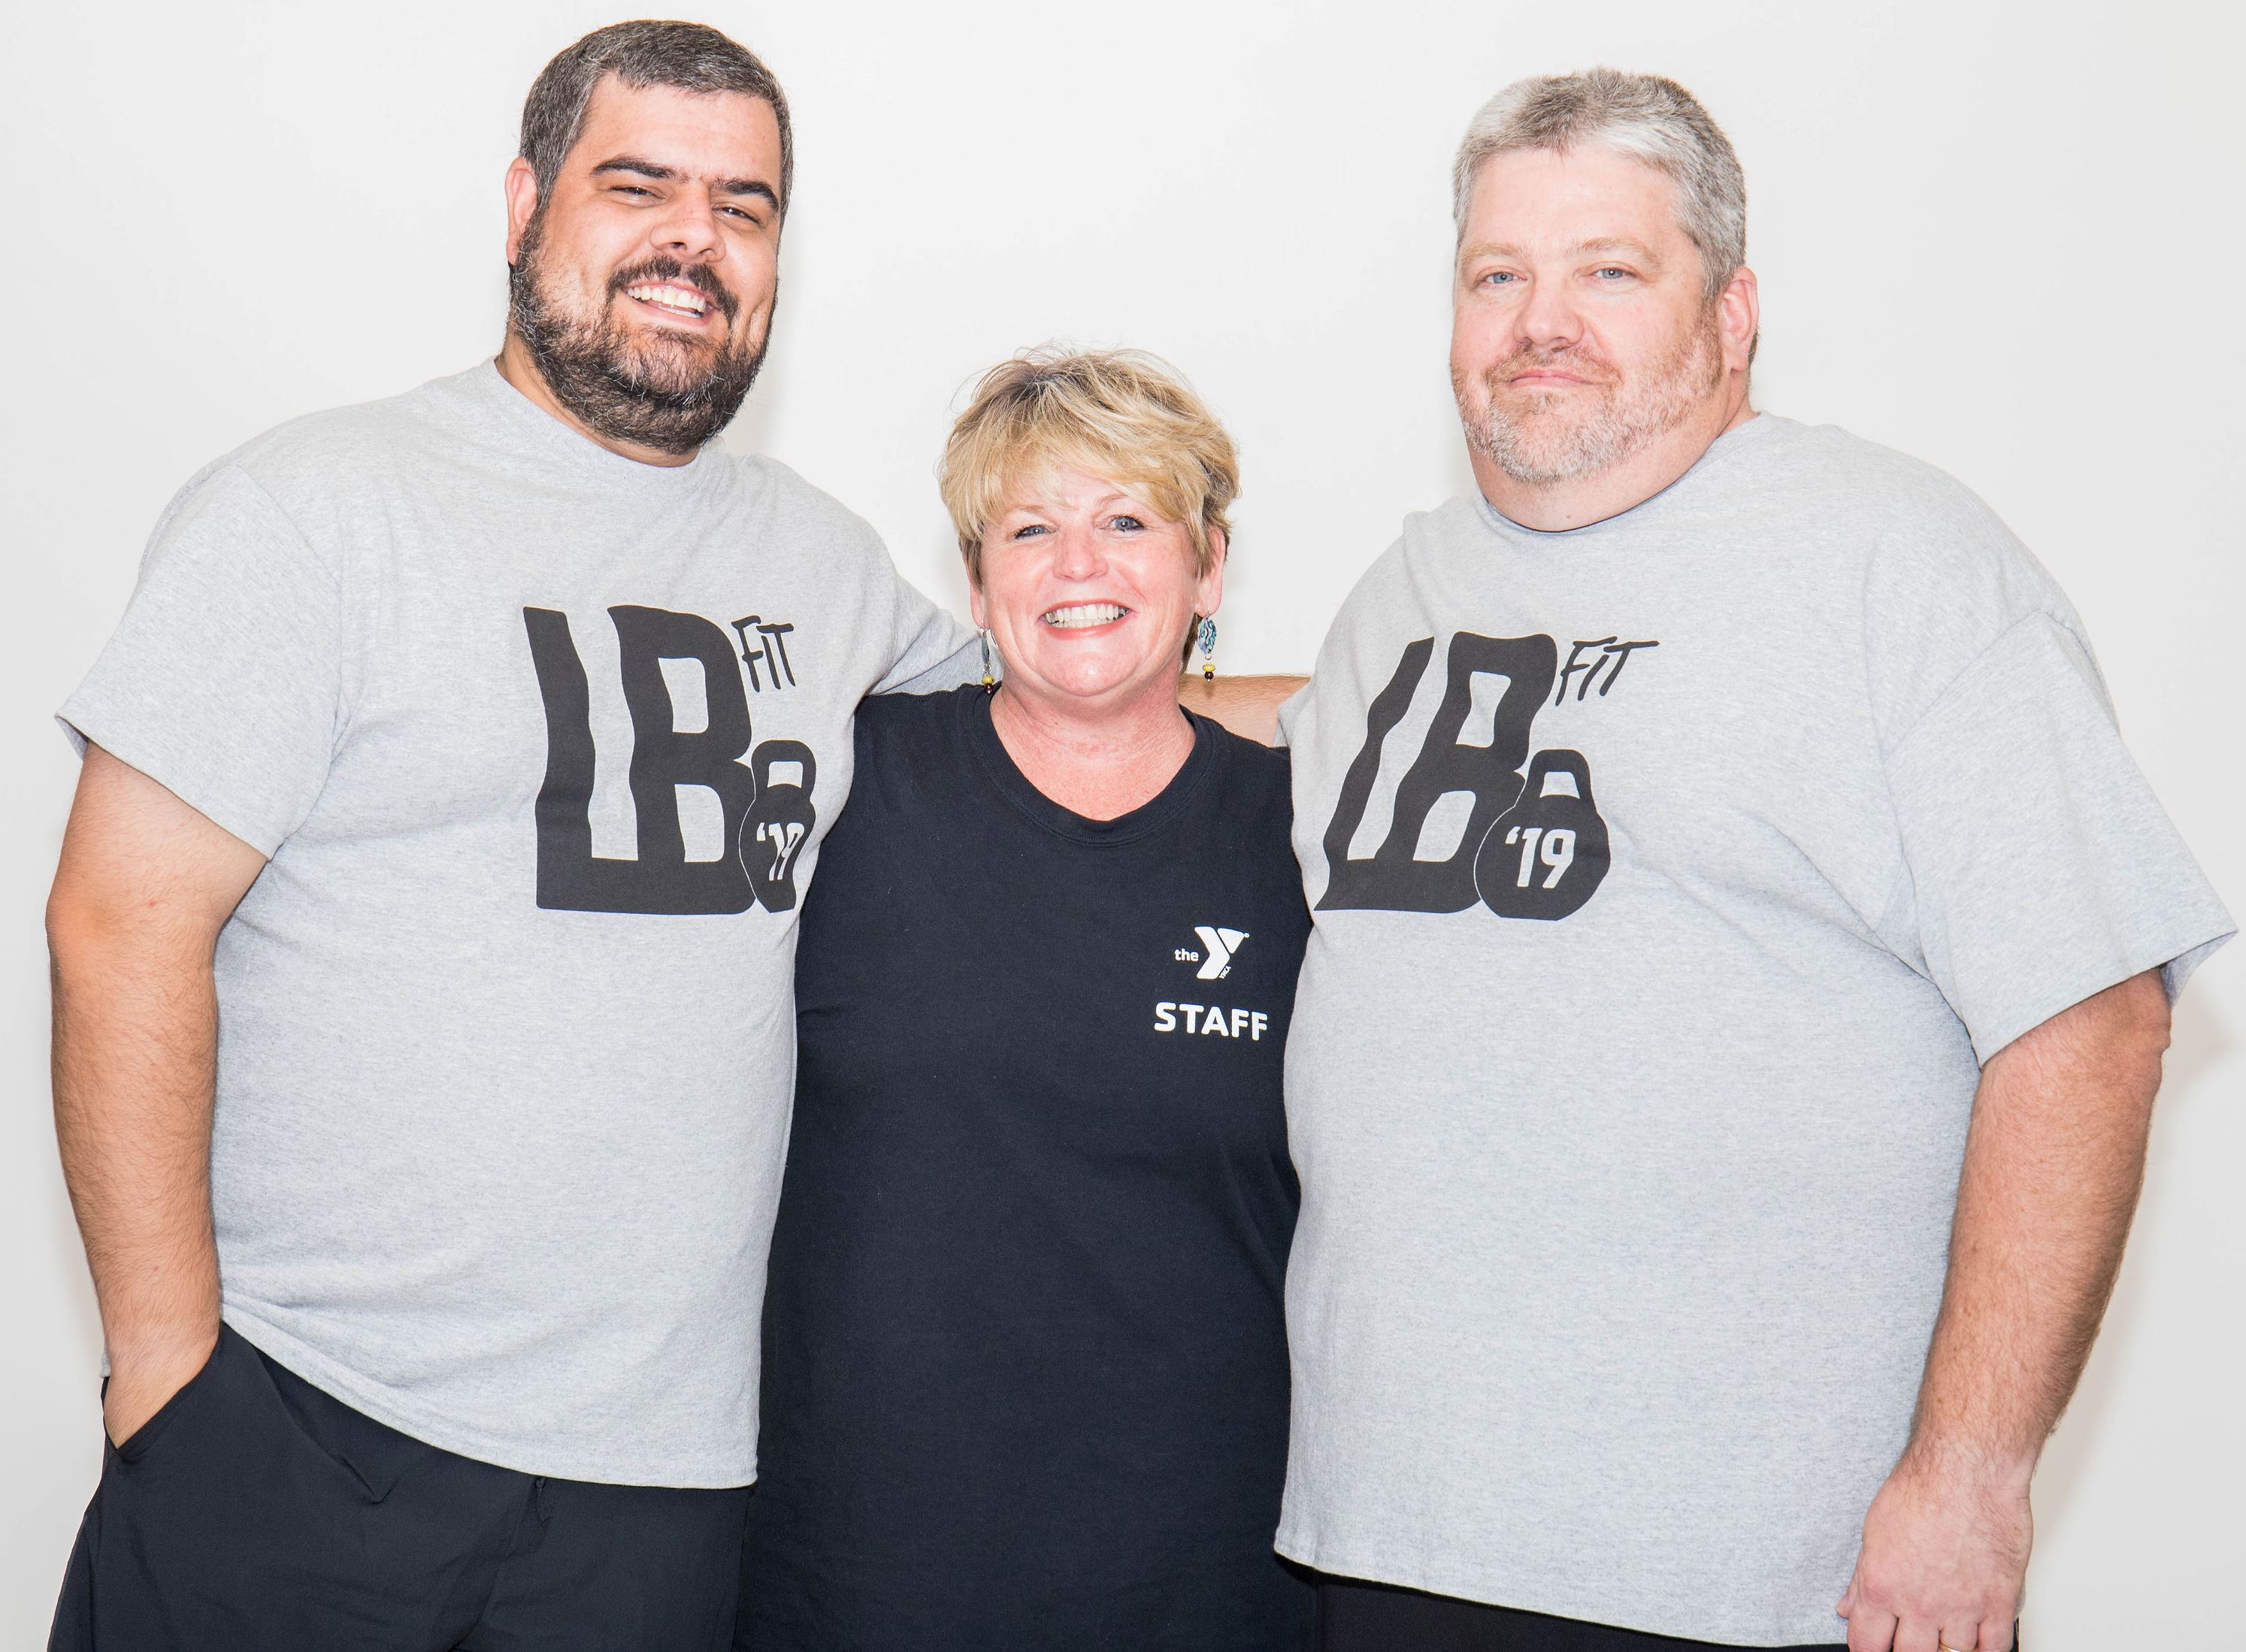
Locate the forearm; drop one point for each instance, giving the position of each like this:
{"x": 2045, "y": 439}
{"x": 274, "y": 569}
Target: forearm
{"x": 135, "y": 1050}
{"x": 1247, "y": 705}
{"x": 2055, "y": 1160}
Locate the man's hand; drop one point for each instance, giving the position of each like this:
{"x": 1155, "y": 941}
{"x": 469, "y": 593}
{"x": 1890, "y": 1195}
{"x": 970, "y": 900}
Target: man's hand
{"x": 141, "y": 1381}
{"x": 1945, "y": 1557}
{"x": 2053, "y": 1162}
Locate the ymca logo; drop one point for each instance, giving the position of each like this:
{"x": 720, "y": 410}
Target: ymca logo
{"x": 763, "y": 788}
{"x": 1222, "y": 944}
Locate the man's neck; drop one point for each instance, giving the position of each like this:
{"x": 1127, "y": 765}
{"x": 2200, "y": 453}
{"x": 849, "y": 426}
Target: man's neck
{"x": 516, "y": 366}
{"x": 1550, "y": 507}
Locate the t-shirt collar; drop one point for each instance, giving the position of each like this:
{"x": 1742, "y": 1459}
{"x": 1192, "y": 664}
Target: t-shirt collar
{"x": 548, "y": 437}
{"x": 1737, "y": 440}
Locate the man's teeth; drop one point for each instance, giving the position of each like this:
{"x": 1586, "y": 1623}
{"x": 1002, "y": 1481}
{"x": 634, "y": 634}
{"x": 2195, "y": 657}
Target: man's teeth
{"x": 1082, "y": 614}
{"x": 684, "y": 298}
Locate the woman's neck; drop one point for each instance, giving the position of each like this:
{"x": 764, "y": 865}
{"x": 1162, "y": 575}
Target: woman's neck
{"x": 1097, "y": 762}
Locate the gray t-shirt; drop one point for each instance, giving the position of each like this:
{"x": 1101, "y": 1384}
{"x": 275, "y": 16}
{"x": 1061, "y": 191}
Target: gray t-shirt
{"x": 541, "y": 743}
{"x": 1671, "y": 878}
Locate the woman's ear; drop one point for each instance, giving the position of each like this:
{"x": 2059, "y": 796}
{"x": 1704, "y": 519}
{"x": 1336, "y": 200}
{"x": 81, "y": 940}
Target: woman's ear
{"x": 975, "y": 605}
{"x": 1209, "y": 589}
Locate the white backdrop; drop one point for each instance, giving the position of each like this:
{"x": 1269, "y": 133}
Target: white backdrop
{"x": 2005, "y": 238}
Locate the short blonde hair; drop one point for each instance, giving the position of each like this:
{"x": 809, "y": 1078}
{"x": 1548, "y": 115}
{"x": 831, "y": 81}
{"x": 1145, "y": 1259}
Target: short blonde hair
{"x": 1120, "y": 414}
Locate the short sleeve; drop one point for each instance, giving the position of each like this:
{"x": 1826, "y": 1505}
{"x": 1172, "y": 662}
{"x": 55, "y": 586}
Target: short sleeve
{"x": 223, "y": 681}
{"x": 931, "y": 651}
{"x": 2041, "y": 868}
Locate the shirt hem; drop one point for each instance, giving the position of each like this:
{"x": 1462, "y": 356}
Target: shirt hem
{"x": 88, "y": 725}
{"x": 2176, "y": 956}
{"x": 1362, "y": 1564}
{"x": 341, "y": 1383}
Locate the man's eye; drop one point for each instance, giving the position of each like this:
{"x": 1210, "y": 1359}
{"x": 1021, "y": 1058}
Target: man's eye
{"x": 1615, "y": 272}
{"x": 632, "y": 189}
{"x": 1500, "y": 278}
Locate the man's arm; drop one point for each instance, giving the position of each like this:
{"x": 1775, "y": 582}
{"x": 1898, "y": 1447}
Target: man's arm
{"x": 1247, "y": 705}
{"x": 144, "y": 886}
{"x": 2055, "y": 1160}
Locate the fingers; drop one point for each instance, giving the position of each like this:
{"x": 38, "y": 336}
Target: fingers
{"x": 1996, "y": 1635}
{"x": 1871, "y": 1629}
{"x": 1918, "y": 1635}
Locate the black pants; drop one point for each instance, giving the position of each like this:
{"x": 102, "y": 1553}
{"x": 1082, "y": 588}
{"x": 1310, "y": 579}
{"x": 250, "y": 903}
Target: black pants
{"x": 1355, "y": 1617}
{"x": 255, "y": 1513}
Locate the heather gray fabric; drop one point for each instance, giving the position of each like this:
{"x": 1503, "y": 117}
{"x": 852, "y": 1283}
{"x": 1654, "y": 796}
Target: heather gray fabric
{"x": 541, "y": 743}
{"x": 1629, "y": 1095}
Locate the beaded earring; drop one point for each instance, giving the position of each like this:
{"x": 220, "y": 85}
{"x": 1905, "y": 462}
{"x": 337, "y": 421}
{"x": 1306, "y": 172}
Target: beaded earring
{"x": 990, "y": 682}
{"x": 1207, "y": 650}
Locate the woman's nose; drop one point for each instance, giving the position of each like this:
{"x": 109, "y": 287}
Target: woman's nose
{"x": 1078, "y": 556}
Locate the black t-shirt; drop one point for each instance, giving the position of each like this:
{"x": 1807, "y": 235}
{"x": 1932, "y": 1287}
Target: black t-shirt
{"x": 1025, "y": 1359}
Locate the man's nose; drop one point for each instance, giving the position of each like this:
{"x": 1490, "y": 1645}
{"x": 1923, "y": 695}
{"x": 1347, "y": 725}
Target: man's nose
{"x": 1549, "y": 319}
{"x": 688, "y": 228}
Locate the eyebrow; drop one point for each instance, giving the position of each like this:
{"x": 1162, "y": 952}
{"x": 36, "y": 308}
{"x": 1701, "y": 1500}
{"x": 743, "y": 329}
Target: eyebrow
{"x": 639, "y": 167}
{"x": 1635, "y": 249}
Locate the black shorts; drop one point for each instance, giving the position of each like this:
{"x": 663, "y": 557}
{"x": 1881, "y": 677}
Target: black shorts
{"x": 1357, "y": 1616}
{"x": 255, "y": 1513}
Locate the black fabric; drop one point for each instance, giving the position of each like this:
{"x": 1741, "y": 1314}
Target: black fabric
{"x": 256, "y": 1514}
{"x": 1358, "y": 1616}
{"x": 1026, "y": 1364}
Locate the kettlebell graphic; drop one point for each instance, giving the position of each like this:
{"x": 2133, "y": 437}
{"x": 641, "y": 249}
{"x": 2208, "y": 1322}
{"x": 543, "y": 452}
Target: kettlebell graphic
{"x": 777, "y": 824}
{"x": 1545, "y": 855}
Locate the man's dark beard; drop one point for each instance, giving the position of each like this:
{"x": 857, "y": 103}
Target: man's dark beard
{"x": 652, "y": 392}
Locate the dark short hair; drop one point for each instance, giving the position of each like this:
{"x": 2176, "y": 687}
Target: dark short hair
{"x": 691, "y": 57}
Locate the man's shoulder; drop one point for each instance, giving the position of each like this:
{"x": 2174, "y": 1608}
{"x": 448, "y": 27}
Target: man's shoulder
{"x": 317, "y": 456}
{"x": 799, "y": 505}
{"x": 1917, "y": 535}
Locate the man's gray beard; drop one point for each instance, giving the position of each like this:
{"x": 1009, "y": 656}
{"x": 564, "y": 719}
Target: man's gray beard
{"x": 1537, "y": 452}
{"x": 651, "y": 393}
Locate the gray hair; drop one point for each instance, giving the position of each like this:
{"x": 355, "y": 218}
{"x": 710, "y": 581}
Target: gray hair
{"x": 690, "y": 56}
{"x": 1645, "y": 117}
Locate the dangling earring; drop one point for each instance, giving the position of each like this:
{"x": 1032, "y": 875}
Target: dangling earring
{"x": 1208, "y": 650}
{"x": 990, "y": 682}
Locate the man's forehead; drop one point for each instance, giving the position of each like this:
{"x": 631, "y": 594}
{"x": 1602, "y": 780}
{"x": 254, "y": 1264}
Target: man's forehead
{"x": 1579, "y": 198}
{"x": 713, "y": 135}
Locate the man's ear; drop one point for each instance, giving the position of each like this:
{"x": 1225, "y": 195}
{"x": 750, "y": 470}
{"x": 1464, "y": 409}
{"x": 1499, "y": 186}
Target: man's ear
{"x": 521, "y": 187}
{"x": 1738, "y": 317}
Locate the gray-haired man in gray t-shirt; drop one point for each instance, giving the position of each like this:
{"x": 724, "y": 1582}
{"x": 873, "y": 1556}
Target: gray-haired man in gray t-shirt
{"x": 1742, "y": 953}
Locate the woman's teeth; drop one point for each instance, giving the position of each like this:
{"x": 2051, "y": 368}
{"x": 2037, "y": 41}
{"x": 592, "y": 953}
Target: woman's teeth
{"x": 1083, "y": 614}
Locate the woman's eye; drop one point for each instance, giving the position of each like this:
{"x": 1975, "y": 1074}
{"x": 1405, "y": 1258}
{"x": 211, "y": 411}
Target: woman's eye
{"x": 1126, "y": 524}
{"x": 1024, "y": 532}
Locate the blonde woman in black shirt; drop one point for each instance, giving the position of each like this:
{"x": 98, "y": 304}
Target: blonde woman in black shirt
{"x": 1025, "y": 1367}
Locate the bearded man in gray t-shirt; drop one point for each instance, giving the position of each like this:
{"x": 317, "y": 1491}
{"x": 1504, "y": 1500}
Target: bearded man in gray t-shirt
{"x": 1742, "y": 961}
{"x": 425, "y": 936}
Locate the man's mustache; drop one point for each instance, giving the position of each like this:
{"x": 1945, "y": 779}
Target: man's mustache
{"x": 1585, "y": 363}
{"x": 698, "y": 276}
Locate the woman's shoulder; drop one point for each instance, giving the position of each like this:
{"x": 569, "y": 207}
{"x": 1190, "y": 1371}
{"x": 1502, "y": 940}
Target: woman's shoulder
{"x": 1249, "y": 771}
{"x": 907, "y": 719}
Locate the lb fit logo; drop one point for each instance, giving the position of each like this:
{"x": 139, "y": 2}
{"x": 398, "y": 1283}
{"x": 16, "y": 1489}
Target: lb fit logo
{"x": 763, "y": 788}
{"x": 1534, "y": 845}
